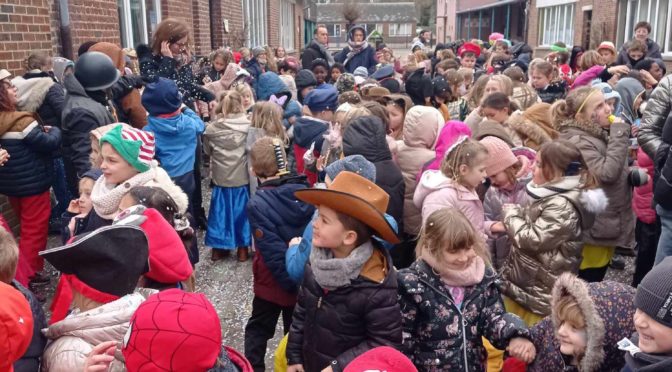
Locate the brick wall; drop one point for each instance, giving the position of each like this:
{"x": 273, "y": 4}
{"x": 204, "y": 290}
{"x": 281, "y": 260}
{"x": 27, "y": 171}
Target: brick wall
{"x": 201, "y": 29}
{"x": 94, "y": 20}
{"x": 180, "y": 9}
{"x": 233, "y": 12}
{"x": 298, "y": 26}
{"x": 273, "y": 23}
{"x": 25, "y": 27}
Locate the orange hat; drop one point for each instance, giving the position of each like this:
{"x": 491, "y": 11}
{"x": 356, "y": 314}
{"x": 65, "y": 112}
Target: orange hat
{"x": 469, "y": 47}
{"x": 16, "y": 326}
{"x": 607, "y": 45}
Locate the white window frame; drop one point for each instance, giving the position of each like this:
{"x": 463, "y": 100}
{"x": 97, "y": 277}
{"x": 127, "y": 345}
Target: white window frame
{"x": 255, "y": 16}
{"x": 400, "y": 29}
{"x": 287, "y": 25}
{"x": 558, "y": 17}
{"x": 126, "y": 20}
{"x": 651, "y": 16}
{"x": 331, "y": 29}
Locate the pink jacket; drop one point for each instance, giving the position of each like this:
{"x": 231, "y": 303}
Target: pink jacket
{"x": 587, "y": 76}
{"x": 449, "y": 134}
{"x": 643, "y": 195}
{"x": 436, "y": 191}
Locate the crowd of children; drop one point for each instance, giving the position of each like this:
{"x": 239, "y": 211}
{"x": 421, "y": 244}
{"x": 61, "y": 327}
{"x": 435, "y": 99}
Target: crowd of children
{"x": 451, "y": 211}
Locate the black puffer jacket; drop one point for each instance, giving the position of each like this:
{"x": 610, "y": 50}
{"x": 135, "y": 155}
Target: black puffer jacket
{"x": 311, "y": 53}
{"x": 366, "y": 136}
{"x": 30, "y": 361}
{"x": 331, "y": 328}
{"x": 81, "y": 115}
{"x": 29, "y": 170}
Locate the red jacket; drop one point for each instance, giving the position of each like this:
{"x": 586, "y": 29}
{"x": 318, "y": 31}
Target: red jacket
{"x": 643, "y": 195}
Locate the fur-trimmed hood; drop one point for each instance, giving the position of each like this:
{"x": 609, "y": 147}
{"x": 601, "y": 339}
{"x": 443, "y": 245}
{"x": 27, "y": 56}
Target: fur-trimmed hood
{"x": 607, "y": 307}
{"x": 162, "y": 180}
{"x": 31, "y": 92}
{"x": 530, "y": 131}
{"x": 591, "y": 128}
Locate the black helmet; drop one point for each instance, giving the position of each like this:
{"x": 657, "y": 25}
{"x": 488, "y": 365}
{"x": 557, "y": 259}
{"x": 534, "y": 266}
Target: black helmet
{"x": 95, "y": 71}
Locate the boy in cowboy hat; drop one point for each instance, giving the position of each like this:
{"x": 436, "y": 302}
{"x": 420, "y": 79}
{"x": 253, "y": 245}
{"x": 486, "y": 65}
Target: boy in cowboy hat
{"x": 348, "y": 300}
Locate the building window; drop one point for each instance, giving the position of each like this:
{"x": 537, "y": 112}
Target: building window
{"x": 400, "y": 29}
{"x": 657, "y": 12}
{"x": 334, "y": 30}
{"x": 287, "y": 25}
{"x": 556, "y": 23}
{"x": 254, "y": 12}
{"x": 137, "y": 20}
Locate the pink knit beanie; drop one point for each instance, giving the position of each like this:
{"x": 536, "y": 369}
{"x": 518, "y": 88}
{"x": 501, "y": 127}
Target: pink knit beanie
{"x": 500, "y": 155}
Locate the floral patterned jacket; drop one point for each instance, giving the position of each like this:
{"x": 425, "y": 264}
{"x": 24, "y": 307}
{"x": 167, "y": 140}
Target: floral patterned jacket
{"x": 439, "y": 336}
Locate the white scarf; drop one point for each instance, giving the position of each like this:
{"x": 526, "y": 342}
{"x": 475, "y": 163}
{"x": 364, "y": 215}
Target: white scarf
{"x": 106, "y": 197}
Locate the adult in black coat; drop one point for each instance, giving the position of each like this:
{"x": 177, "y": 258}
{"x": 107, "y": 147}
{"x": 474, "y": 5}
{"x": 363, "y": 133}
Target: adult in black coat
{"x": 642, "y": 31}
{"x": 317, "y": 48}
{"x": 366, "y": 136}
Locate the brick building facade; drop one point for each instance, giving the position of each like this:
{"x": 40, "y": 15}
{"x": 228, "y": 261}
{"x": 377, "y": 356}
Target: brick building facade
{"x": 35, "y": 25}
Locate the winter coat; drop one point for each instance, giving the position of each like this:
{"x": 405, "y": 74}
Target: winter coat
{"x": 366, "y": 137}
{"x": 657, "y": 109}
{"x": 30, "y": 361}
{"x": 40, "y": 94}
{"x": 73, "y": 338}
{"x": 81, "y": 115}
{"x": 154, "y": 66}
{"x": 607, "y": 307}
{"x": 436, "y": 191}
{"x": 308, "y": 130}
{"x": 271, "y": 84}
{"x": 276, "y": 216}
{"x": 129, "y": 106}
{"x": 553, "y": 92}
{"x": 629, "y": 89}
{"x": 176, "y": 139}
{"x": 642, "y": 196}
{"x": 419, "y": 86}
{"x": 225, "y": 141}
{"x": 29, "y": 170}
{"x": 413, "y": 152}
{"x": 439, "y": 336}
{"x": 487, "y": 128}
{"x": 532, "y": 134}
{"x": 652, "y": 51}
{"x": 331, "y": 328}
{"x": 525, "y": 96}
{"x": 547, "y": 240}
{"x": 255, "y": 69}
{"x": 311, "y": 53}
{"x": 606, "y": 155}
{"x": 366, "y": 58}
{"x": 644, "y": 362}
{"x": 495, "y": 198}
{"x": 458, "y": 110}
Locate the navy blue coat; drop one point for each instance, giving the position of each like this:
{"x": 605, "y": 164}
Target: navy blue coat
{"x": 366, "y": 58}
{"x": 255, "y": 70}
{"x": 30, "y": 361}
{"x": 29, "y": 170}
{"x": 276, "y": 216}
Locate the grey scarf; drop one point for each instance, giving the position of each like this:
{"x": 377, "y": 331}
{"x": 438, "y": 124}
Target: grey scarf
{"x": 331, "y": 273}
{"x": 325, "y": 52}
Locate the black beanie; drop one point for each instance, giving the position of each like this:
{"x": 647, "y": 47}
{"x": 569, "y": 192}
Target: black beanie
{"x": 654, "y": 293}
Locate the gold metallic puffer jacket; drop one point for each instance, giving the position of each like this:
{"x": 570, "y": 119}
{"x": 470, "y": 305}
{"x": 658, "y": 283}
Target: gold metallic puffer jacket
{"x": 547, "y": 241}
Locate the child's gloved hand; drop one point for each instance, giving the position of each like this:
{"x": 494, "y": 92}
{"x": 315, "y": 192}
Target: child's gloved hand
{"x": 295, "y": 241}
{"x": 522, "y": 349}
{"x": 308, "y": 157}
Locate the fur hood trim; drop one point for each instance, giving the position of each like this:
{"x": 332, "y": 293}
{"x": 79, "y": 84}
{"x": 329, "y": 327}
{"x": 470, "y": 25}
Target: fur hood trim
{"x": 570, "y": 285}
{"x": 528, "y": 129}
{"x": 595, "y": 200}
{"x": 591, "y": 128}
{"x": 162, "y": 180}
{"x": 31, "y": 92}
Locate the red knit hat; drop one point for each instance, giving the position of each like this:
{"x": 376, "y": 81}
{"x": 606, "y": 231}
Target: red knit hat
{"x": 173, "y": 331}
{"x": 469, "y": 47}
{"x": 16, "y": 326}
{"x": 168, "y": 259}
{"x": 383, "y": 358}
{"x": 499, "y": 157}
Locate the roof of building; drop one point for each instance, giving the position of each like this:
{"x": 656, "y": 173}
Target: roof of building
{"x": 371, "y": 13}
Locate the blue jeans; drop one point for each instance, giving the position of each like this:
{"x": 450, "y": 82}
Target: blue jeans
{"x": 665, "y": 241}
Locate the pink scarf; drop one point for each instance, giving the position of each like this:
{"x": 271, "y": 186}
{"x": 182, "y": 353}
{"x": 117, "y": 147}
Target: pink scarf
{"x": 472, "y": 275}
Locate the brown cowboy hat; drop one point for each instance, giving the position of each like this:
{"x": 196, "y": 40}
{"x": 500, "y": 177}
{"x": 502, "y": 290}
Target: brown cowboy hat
{"x": 357, "y": 197}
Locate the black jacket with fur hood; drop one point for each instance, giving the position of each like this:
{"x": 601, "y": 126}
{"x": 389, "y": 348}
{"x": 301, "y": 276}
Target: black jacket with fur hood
{"x": 607, "y": 307}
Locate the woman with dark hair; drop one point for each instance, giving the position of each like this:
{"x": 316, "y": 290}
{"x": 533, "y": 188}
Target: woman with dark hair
{"x": 169, "y": 57}
{"x": 26, "y": 177}
{"x": 358, "y": 52}
{"x": 651, "y": 70}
